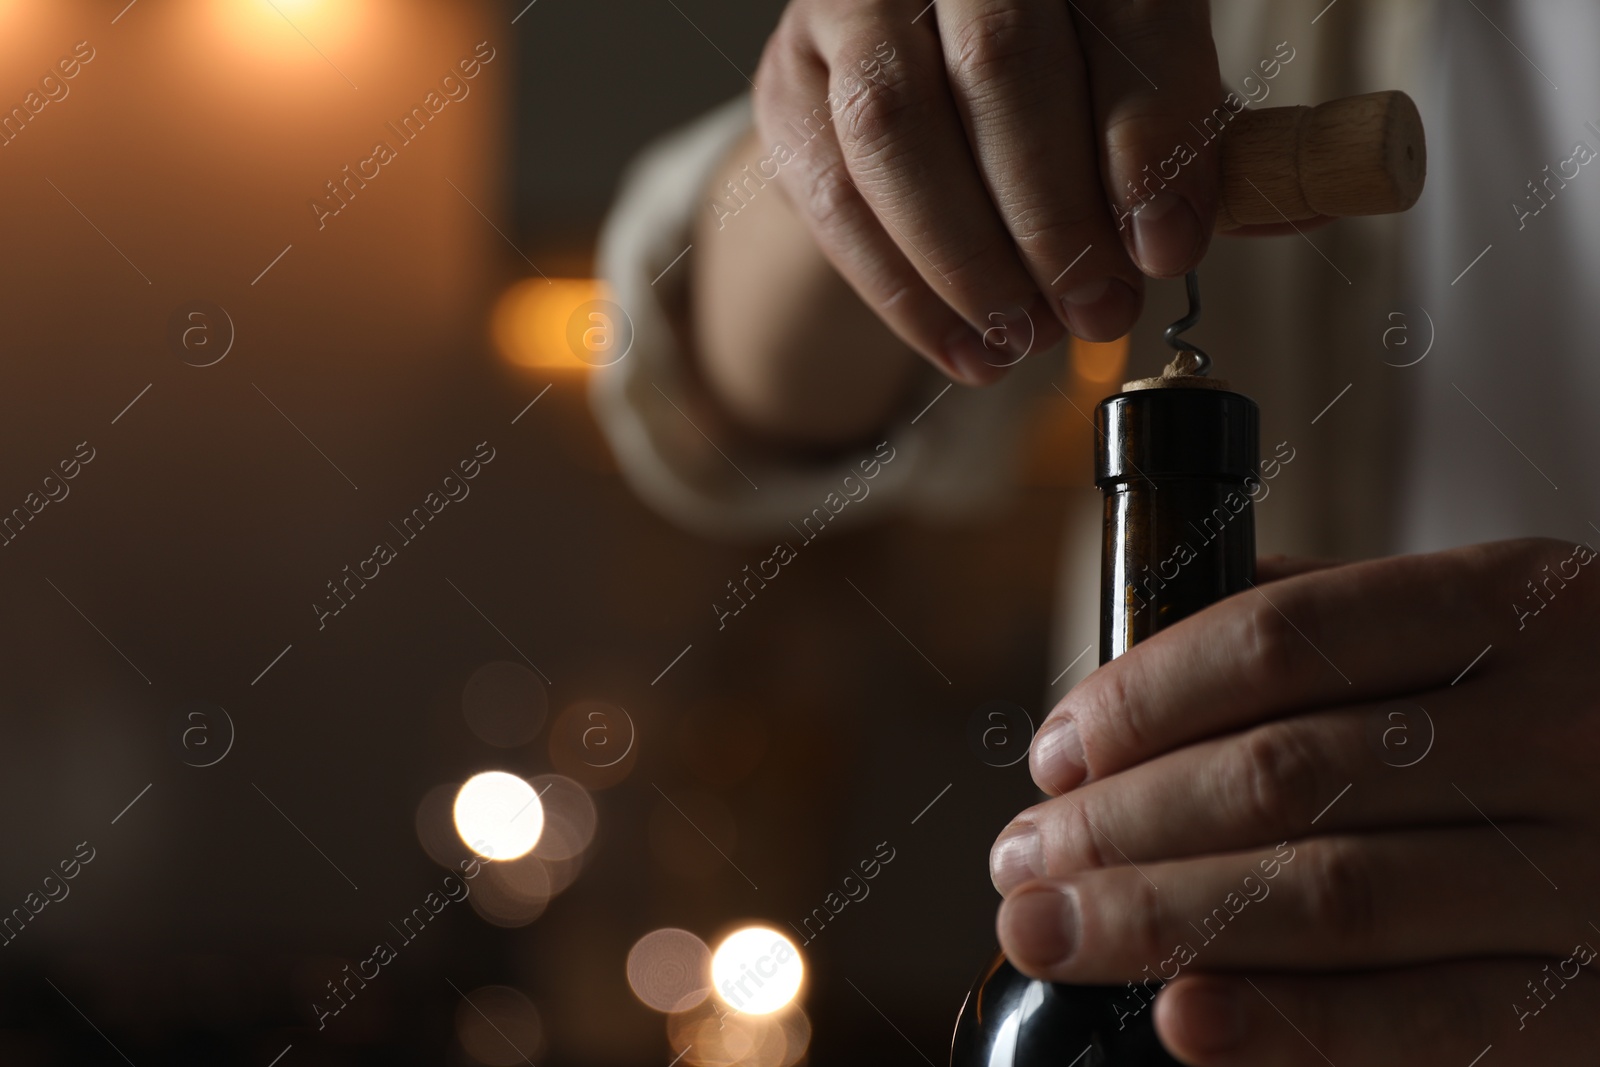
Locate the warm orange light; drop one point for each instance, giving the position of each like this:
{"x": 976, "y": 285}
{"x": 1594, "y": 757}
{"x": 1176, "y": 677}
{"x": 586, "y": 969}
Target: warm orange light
{"x": 1100, "y": 362}
{"x": 278, "y": 25}
{"x": 559, "y": 324}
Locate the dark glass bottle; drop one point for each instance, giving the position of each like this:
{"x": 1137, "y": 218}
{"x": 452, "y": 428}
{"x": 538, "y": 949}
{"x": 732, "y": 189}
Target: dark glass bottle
{"x": 1177, "y": 460}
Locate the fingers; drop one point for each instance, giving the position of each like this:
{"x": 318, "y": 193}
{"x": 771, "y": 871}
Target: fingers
{"x": 1342, "y": 634}
{"x": 1333, "y": 770}
{"x": 906, "y": 154}
{"x": 1022, "y": 93}
{"x": 794, "y": 118}
{"x": 1326, "y": 903}
{"x": 1447, "y": 1014}
{"x": 987, "y": 184}
{"x": 1154, "y": 79}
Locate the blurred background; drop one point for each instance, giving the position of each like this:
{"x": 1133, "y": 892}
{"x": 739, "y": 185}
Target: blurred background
{"x": 263, "y": 349}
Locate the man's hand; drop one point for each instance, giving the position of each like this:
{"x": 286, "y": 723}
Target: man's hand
{"x": 971, "y": 167}
{"x": 1386, "y": 768}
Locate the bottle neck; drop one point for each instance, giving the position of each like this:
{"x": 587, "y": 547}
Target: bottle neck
{"x": 1178, "y": 466}
{"x": 1172, "y": 547}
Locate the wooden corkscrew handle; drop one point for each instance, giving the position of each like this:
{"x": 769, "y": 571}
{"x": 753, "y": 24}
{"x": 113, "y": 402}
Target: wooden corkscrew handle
{"x": 1360, "y": 155}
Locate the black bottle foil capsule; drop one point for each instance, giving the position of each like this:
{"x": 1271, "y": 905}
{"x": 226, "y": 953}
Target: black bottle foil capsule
{"x": 1177, "y": 459}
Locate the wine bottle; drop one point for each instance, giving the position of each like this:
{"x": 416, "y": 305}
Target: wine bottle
{"x": 1176, "y": 458}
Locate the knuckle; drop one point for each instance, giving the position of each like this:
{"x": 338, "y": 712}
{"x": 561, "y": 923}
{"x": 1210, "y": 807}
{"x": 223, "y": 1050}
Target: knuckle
{"x": 1075, "y": 845}
{"x": 1337, "y": 892}
{"x": 1279, "y": 777}
{"x": 784, "y": 56}
{"x": 878, "y": 120}
{"x": 831, "y": 197}
{"x": 1108, "y": 724}
{"x": 1273, "y": 648}
{"x": 1137, "y": 129}
{"x": 1053, "y": 229}
{"x": 969, "y": 269}
{"x": 1142, "y": 919}
{"x": 1003, "y": 42}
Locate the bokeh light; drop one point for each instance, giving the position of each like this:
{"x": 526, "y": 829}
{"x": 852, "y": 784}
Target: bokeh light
{"x": 504, "y": 704}
{"x": 513, "y": 893}
{"x": 712, "y": 1036}
{"x": 670, "y": 970}
{"x": 498, "y": 815}
{"x": 569, "y": 817}
{"x": 756, "y": 970}
{"x": 530, "y": 322}
{"x": 436, "y": 827}
{"x": 499, "y": 1026}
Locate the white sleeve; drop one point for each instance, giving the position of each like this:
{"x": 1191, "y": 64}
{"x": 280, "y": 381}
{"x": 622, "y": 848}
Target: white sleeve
{"x": 954, "y": 450}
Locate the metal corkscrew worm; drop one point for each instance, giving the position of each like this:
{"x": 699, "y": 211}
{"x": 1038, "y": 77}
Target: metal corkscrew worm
{"x": 1173, "y": 334}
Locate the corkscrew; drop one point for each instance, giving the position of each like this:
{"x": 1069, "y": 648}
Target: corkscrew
{"x": 1201, "y": 364}
{"x": 1361, "y": 155}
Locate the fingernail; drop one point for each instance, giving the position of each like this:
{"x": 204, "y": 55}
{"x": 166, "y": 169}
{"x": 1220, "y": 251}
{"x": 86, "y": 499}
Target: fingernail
{"x": 1040, "y": 927}
{"x": 1057, "y": 757}
{"x": 1102, "y": 310}
{"x": 1212, "y": 1017}
{"x": 1166, "y": 235}
{"x": 1017, "y": 856}
{"x": 967, "y": 356}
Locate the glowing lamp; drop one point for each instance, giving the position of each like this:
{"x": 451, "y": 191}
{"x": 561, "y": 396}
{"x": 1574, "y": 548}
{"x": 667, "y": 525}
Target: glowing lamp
{"x": 560, "y": 324}
{"x": 756, "y": 970}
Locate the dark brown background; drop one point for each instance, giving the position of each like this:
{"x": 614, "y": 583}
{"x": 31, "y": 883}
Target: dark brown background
{"x": 206, "y": 525}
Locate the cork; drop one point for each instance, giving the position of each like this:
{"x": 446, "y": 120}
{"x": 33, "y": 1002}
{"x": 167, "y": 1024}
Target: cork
{"x": 1179, "y": 374}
